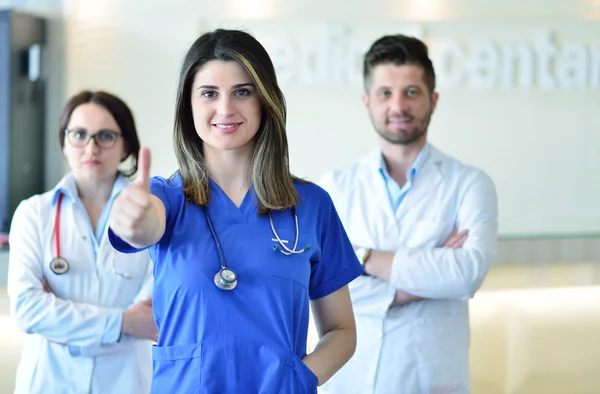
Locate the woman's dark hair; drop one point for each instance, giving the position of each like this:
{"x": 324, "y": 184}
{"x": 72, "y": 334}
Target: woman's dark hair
{"x": 119, "y": 111}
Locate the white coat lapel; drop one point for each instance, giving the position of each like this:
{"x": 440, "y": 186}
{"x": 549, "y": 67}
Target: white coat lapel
{"x": 373, "y": 182}
{"x": 425, "y": 181}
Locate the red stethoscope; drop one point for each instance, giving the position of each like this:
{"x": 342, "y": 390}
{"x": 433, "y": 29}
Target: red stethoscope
{"x": 58, "y": 265}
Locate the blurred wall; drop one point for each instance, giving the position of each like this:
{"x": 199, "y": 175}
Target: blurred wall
{"x": 519, "y": 85}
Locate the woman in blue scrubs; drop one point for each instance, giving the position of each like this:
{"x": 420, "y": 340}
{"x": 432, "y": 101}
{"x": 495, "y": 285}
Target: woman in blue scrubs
{"x": 240, "y": 246}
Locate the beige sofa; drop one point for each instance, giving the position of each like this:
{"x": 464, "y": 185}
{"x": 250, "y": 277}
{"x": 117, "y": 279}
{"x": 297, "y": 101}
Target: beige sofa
{"x": 535, "y": 330}
{"x": 539, "y": 341}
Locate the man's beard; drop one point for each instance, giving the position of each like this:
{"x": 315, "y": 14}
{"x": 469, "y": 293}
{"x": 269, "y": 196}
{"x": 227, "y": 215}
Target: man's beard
{"x": 406, "y": 139}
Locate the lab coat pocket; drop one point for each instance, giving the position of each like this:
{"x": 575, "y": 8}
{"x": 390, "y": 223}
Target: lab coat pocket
{"x": 428, "y": 234}
{"x": 176, "y": 367}
{"x": 300, "y": 379}
{"x": 129, "y": 266}
{"x": 295, "y": 267}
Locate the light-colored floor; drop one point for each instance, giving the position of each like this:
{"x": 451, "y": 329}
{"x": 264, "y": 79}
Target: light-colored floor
{"x": 534, "y": 330}
{"x": 11, "y": 342}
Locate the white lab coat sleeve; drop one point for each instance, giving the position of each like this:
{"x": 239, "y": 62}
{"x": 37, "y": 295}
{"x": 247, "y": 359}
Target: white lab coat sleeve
{"x": 445, "y": 273}
{"x": 42, "y": 313}
{"x": 370, "y": 296}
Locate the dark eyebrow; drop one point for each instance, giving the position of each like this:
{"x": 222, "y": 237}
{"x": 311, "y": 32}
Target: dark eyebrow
{"x": 239, "y": 85}
{"x": 80, "y": 128}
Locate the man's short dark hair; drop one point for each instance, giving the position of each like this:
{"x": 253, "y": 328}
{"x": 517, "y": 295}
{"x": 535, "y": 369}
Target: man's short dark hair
{"x": 399, "y": 50}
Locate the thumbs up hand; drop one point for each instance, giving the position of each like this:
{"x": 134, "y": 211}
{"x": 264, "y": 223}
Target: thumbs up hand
{"x": 132, "y": 218}
{"x": 143, "y": 177}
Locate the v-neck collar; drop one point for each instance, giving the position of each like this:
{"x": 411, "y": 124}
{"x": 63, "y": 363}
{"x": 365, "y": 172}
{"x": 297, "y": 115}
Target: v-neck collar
{"x": 247, "y": 210}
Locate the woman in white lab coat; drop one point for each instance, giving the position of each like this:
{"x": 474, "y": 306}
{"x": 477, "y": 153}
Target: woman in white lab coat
{"x": 87, "y": 307}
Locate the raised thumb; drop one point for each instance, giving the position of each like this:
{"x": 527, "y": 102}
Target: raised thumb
{"x": 143, "y": 177}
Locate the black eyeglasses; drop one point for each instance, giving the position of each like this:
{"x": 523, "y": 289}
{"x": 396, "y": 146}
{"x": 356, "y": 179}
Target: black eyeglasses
{"x": 104, "y": 139}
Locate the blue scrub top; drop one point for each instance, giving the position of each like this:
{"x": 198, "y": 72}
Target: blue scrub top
{"x": 251, "y": 339}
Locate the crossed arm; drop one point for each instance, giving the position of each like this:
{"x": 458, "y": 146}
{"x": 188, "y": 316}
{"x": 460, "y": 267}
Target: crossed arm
{"x": 38, "y": 310}
{"x": 454, "y": 270}
{"x": 379, "y": 265}
{"x": 137, "y": 320}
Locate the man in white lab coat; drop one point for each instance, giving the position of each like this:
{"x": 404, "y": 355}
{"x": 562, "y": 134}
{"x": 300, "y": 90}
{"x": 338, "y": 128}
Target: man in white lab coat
{"x": 425, "y": 227}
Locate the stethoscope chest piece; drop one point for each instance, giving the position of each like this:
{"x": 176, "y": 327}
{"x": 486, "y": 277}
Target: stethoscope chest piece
{"x": 59, "y": 265}
{"x": 226, "y": 279}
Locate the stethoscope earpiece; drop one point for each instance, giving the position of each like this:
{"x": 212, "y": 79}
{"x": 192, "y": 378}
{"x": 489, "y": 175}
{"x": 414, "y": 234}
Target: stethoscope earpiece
{"x": 282, "y": 247}
{"x": 277, "y": 248}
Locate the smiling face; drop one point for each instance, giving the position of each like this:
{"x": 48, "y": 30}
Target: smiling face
{"x": 399, "y": 103}
{"x": 90, "y": 159}
{"x": 225, "y": 106}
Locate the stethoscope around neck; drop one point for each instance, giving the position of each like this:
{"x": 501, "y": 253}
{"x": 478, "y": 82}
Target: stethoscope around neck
{"x": 226, "y": 278}
{"x": 59, "y": 265}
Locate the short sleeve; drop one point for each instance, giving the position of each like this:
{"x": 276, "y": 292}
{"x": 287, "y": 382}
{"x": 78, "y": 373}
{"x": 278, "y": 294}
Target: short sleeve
{"x": 337, "y": 264}
{"x": 160, "y": 188}
{"x": 165, "y": 191}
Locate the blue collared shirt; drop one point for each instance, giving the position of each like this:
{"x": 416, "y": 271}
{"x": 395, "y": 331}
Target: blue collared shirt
{"x": 396, "y": 193}
{"x": 67, "y": 187}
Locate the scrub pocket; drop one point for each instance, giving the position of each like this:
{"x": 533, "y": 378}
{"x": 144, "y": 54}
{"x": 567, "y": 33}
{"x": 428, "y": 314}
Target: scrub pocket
{"x": 298, "y": 378}
{"x": 295, "y": 267}
{"x": 176, "y": 367}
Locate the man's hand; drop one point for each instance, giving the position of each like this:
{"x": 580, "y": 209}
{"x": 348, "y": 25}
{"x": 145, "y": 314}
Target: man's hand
{"x": 139, "y": 322}
{"x": 456, "y": 239}
{"x": 403, "y": 298}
